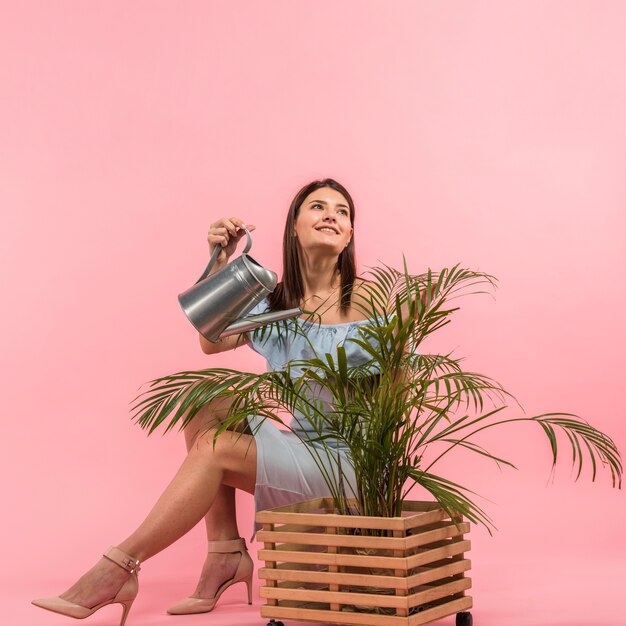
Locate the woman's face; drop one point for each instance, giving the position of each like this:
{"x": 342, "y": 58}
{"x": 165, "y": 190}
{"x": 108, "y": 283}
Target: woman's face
{"x": 324, "y": 222}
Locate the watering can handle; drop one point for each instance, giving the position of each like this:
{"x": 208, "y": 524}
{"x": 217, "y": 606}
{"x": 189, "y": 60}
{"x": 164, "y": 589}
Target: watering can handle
{"x": 216, "y": 253}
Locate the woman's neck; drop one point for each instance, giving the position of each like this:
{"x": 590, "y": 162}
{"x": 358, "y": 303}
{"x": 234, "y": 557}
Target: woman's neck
{"x": 320, "y": 277}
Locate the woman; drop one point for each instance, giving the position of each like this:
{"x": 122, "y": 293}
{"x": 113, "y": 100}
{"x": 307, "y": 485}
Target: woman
{"x": 318, "y": 273}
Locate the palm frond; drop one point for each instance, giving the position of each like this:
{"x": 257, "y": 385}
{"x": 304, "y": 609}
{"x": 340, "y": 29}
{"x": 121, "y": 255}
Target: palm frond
{"x": 390, "y": 411}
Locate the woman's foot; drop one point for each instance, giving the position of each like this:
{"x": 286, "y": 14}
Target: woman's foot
{"x": 99, "y": 584}
{"x": 218, "y": 567}
{"x": 111, "y": 580}
{"x": 227, "y": 563}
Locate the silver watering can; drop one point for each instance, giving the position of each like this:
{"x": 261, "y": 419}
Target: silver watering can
{"x": 216, "y": 305}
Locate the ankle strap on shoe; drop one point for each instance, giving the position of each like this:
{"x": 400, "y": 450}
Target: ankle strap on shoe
{"x": 230, "y": 545}
{"x": 125, "y": 561}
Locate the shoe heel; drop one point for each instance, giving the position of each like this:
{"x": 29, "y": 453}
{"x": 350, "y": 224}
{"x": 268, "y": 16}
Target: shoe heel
{"x": 249, "y": 584}
{"x": 243, "y": 573}
{"x": 125, "y": 610}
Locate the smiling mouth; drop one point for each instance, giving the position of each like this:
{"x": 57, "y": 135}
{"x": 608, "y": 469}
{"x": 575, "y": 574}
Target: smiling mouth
{"x": 327, "y": 229}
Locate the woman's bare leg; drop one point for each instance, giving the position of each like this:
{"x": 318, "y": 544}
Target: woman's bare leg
{"x": 221, "y": 519}
{"x": 221, "y": 525}
{"x": 187, "y": 499}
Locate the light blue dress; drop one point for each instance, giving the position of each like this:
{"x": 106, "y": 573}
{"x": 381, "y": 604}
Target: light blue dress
{"x": 286, "y": 470}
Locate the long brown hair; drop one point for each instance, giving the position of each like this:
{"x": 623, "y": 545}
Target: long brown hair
{"x": 290, "y": 291}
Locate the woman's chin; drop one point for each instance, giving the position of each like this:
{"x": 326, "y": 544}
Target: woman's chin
{"x": 329, "y": 248}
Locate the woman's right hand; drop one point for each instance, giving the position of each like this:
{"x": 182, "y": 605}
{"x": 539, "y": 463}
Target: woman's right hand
{"x": 226, "y": 232}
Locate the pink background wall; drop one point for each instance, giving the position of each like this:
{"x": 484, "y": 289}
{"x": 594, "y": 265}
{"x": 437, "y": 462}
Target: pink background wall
{"x": 489, "y": 133}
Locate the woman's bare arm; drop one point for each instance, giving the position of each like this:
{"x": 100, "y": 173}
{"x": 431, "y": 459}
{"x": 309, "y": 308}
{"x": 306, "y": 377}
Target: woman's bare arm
{"x": 228, "y": 343}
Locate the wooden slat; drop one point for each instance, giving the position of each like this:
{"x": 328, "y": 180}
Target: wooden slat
{"x": 333, "y": 617}
{"x": 424, "y": 596}
{"x": 402, "y": 611}
{"x": 443, "y": 610}
{"x": 431, "y": 574}
{"x": 443, "y": 531}
{"x": 269, "y": 545}
{"x": 436, "y": 592}
{"x": 337, "y": 597}
{"x": 448, "y": 548}
{"x": 338, "y": 578}
{"x": 326, "y": 503}
{"x": 300, "y": 528}
{"x": 366, "y": 619}
{"x": 427, "y": 517}
{"x": 294, "y": 547}
{"x": 348, "y": 541}
{"x": 415, "y": 522}
{"x": 300, "y": 566}
{"x": 324, "y": 558}
{"x": 332, "y": 588}
{"x": 451, "y": 548}
{"x": 304, "y": 513}
{"x": 337, "y": 521}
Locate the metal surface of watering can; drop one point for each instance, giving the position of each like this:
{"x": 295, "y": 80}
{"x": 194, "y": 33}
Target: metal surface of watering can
{"x": 216, "y": 305}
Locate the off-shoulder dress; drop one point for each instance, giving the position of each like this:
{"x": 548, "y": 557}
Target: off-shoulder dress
{"x": 286, "y": 470}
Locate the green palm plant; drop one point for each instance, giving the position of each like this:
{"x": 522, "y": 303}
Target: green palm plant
{"x": 398, "y": 414}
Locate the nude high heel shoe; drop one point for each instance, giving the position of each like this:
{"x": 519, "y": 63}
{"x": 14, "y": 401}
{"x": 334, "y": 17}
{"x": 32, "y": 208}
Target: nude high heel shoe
{"x": 125, "y": 596}
{"x": 242, "y": 574}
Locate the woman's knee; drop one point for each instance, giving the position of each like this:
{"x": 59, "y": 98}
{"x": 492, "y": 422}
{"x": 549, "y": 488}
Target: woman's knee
{"x": 210, "y": 416}
{"x": 232, "y": 453}
{"x": 207, "y": 441}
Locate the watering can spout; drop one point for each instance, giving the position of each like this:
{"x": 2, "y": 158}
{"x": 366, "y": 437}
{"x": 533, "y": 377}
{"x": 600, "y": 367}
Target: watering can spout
{"x": 217, "y": 305}
{"x": 256, "y": 321}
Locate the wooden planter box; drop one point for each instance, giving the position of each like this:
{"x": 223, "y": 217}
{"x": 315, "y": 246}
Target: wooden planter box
{"x": 317, "y": 569}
